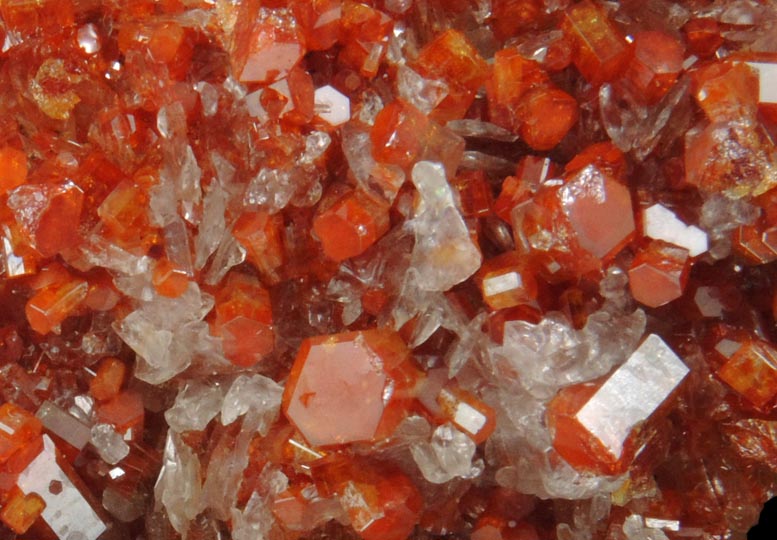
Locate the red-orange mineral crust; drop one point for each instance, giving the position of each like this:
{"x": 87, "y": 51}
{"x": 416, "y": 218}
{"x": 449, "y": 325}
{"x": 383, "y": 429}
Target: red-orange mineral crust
{"x": 387, "y": 269}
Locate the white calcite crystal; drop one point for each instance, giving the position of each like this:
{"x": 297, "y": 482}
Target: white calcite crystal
{"x": 332, "y": 106}
{"x": 660, "y": 223}
{"x": 67, "y": 512}
{"x": 258, "y": 393}
{"x": 179, "y": 486}
{"x": 167, "y": 334}
{"x": 195, "y": 406}
{"x": 767, "y": 76}
{"x": 447, "y": 456}
{"x": 110, "y": 445}
{"x": 423, "y": 94}
{"x": 444, "y": 254}
{"x": 632, "y": 393}
{"x": 64, "y": 425}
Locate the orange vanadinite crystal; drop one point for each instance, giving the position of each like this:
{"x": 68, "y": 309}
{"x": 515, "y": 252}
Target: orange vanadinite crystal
{"x": 511, "y": 76}
{"x": 599, "y": 210}
{"x": 396, "y": 134}
{"x": 243, "y": 320}
{"x": 260, "y": 234}
{"x": 18, "y": 428}
{"x": 13, "y": 168}
{"x": 511, "y": 16}
{"x": 658, "y": 61}
{"x": 342, "y": 387}
{"x": 659, "y": 274}
{"x": 507, "y": 281}
{"x": 350, "y": 225}
{"x": 320, "y": 22}
{"x": 703, "y": 36}
{"x": 547, "y": 115}
{"x": 21, "y": 511}
{"x": 467, "y": 413}
{"x": 267, "y": 43}
{"x": 124, "y": 412}
{"x": 530, "y": 173}
{"x": 124, "y": 214}
{"x": 169, "y": 280}
{"x": 50, "y": 214}
{"x": 50, "y": 306}
{"x": 727, "y": 91}
{"x": 756, "y": 242}
{"x": 365, "y": 31}
{"x": 752, "y": 372}
{"x": 108, "y": 379}
{"x": 474, "y": 193}
{"x": 453, "y": 59}
{"x": 381, "y": 502}
{"x": 601, "y": 52}
{"x": 28, "y": 17}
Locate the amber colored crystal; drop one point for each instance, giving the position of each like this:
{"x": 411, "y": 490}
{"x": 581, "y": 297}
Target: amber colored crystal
{"x": 320, "y": 22}
{"x": 395, "y": 135}
{"x": 507, "y": 281}
{"x": 260, "y": 234}
{"x": 756, "y": 242}
{"x": 452, "y": 58}
{"x": 124, "y": 412}
{"x": 511, "y": 16}
{"x": 350, "y": 225}
{"x": 19, "y": 428}
{"x": 49, "y": 307}
{"x": 21, "y": 511}
{"x": 601, "y": 52}
{"x": 347, "y": 387}
{"x": 547, "y": 115}
{"x": 108, "y": 379}
{"x": 752, "y": 372}
{"x": 659, "y": 273}
{"x": 512, "y": 76}
{"x": 243, "y": 320}
{"x": 381, "y": 502}
{"x": 168, "y": 280}
{"x": 267, "y": 43}
{"x": 474, "y": 193}
{"x": 54, "y": 226}
{"x": 13, "y": 168}
{"x": 33, "y": 17}
{"x": 657, "y": 62}
{"x": 364, "y": 33}
{"x": 703, "y": 36}
{"x": 727, "y": 91}
{"x": 467, "y": 413}
{"x": 599, "y": 210}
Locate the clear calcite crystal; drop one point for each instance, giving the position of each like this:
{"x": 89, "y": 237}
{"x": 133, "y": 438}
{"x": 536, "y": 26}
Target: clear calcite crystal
{"x": 387, "y": 270}
{"x": 444, "y": 254}
{"x": 594, "y": 424}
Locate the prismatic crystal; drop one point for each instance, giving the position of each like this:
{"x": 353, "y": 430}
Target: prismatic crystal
{"x": 387, "y": 269}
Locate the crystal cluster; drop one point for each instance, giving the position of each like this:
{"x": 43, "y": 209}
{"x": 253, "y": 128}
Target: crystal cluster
{"x": 387, "y": 269}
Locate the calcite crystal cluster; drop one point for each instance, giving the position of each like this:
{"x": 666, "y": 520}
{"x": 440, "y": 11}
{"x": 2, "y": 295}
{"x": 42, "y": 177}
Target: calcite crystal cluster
{"x": 389, "y": 269}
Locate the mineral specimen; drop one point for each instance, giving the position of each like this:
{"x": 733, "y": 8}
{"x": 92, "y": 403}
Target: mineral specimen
{"x": 387, "y": 269}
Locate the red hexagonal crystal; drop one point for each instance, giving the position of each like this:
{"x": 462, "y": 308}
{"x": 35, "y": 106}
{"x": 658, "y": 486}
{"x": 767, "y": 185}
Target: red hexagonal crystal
{"x": 347, "y": 387}
{"x": 752, "y": 372}
{"x": 659, "y": 274}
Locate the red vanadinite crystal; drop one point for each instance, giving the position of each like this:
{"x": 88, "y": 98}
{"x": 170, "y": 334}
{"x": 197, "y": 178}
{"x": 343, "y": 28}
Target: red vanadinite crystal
{"x": 389, "y": 270}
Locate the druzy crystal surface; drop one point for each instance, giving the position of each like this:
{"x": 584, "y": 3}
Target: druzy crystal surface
{"x": 387, "y": 269}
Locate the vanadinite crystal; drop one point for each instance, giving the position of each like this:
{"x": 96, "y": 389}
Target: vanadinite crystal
{"x": 387, "y": 269}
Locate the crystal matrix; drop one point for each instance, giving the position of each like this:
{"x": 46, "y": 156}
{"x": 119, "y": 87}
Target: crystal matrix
{"x": 387, "y": 269}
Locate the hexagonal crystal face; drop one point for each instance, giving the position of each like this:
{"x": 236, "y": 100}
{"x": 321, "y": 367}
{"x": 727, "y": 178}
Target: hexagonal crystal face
{"x": 341, "y": 385}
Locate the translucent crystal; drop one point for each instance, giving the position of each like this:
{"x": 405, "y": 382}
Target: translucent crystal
{"x": 423, "y": 94}
{"x": 260, "y": 394}
{"x": 195, "y": 406}
{"x": 444, "y": 254}
{"x": 332, "y": 106}
{"x": 660, "y": 223}
{"x": 67, "y": 512}
{"x": 179, "y": 485}
{"x": 212, "y": 226}
{"x": 108, "y": 443}
{"x": 69, "y": 428}
{"x": 447, "y": 456}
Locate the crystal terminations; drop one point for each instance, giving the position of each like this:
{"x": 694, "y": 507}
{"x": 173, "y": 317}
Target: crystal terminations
{"x": 291, "y": 269}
